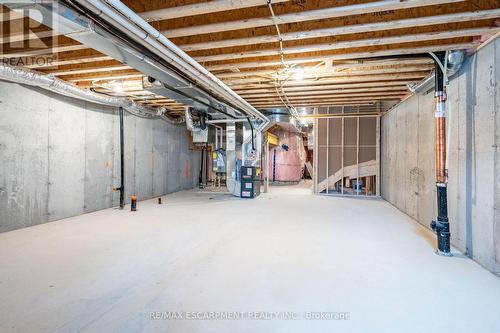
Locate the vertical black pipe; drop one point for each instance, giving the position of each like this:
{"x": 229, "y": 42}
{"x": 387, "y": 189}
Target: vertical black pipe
{"x": 442, "y": 225}
{"x": 274, "y": 165}
{"x": 206, "y": 164}
{"x": 202, "y": 160}
{"x": 122, "y": 162}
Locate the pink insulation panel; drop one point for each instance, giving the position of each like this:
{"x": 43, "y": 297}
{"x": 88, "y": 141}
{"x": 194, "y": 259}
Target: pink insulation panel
{"x": 289, "y": 164}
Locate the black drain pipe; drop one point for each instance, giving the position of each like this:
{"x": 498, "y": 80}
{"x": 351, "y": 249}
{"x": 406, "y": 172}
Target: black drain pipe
{"x": 202, "y": 161}
{"x": 122, "y": 162}
{"x": 442, "y": 225}
{"x": 274, "y": 165}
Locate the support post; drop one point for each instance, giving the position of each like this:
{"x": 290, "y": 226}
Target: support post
{"x": 441, "y": 226}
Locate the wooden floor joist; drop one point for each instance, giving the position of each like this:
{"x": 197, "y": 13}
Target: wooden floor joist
{"x": 200, "y": 9}
{"x": 342, "y": 53}
{"x": 313, "y": 15}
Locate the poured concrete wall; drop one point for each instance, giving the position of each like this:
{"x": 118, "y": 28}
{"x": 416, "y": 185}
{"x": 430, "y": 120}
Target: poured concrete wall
{"x": 60, "y": 157}
{"x": 474, "y": 157}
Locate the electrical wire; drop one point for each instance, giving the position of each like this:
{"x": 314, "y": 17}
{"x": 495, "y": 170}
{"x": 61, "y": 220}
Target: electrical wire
{"x": 280, "y": 39}
{"x": 288, "y": 104}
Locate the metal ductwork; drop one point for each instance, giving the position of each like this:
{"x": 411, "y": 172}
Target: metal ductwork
{"x": 284, "y": 120}
{"x": 189, "y": 120}
{"x": 115, "y": 30}
{"x": 49, "y": 82}
{"x": 454, "y": 62}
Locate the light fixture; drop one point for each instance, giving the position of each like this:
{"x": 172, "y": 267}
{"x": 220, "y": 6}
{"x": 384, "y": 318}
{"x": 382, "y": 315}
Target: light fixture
{"x": 118, "y": 88}
{"x": 299, "y": 74}
{"x": 304, "y": 111}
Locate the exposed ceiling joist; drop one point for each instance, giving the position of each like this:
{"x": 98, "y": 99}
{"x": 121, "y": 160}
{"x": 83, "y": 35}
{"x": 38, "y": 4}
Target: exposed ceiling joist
{"x": 358, "y": 65}
{"x": 319, "y": 14}
{"x": 118, "y": 75}
{"x": 65, "y": 61}
{"x": 26, "y": 53}
{"x": 269, "y": 89}
{"x": 339, "y": 95}
{"x": 349, "y": 29}
{"x": 326, "y": 92}
{"x": 361, "y": 75}
{"x": 353, "y": 43}
{"x": 201, "y": 8}
{"x": 92, "y": 69}
{"x": 9, "y": 15}
{"x": 330, "y": 101}
{"x": 353, "y": 55}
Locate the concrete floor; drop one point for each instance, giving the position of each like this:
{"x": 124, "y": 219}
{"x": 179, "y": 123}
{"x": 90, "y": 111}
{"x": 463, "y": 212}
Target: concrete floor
{"x": 287, "y": 251}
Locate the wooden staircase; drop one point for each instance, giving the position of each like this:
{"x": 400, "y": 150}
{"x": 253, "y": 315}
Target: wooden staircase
{"x": 366, "y": 169}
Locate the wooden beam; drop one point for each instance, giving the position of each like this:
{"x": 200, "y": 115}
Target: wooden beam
{"x": 72, "y": 60}
{"x": 310, "y": 15}
{"x": 94, "y": 68}
{"x": 348, "y": 29}
{"x": 352, "y": 43}
{"x": 334, "y": 100}
{"x": 358, "y": 65}
{"x": 327, "y": 92}
{"x": 201, "y": 8}
{"x": 331, "y": 75}
{"x": 352, "y": 55}
{"x": 338, "y": 99}
{"x": 339, "y": 95}
{"x": 38, "y": 52}
{"x": 19, "y": 36}
{"x": 118, "y": 75}
{"x": 367, "y": 106}
{"x": 360, "y": 78}
{"x": 316, "y": 88}
{"x": 9, "y": 15}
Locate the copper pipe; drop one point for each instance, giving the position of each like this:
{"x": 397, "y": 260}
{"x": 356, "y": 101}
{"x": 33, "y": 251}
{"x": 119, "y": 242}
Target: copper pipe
{"x": 441, "y": 225}
{"x": 440, "y": 150}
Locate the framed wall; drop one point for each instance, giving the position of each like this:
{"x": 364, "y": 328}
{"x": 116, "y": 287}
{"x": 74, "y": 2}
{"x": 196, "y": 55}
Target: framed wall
{"x": 346, "y": 151}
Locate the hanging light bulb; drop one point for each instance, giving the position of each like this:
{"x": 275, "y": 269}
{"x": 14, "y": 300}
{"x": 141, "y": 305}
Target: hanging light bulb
{"x": 117, "y": 86}
{"x": 299, "y": 74}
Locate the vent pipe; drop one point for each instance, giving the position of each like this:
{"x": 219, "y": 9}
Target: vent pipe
{"x": 454, "y": 62}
